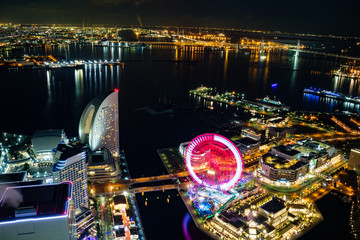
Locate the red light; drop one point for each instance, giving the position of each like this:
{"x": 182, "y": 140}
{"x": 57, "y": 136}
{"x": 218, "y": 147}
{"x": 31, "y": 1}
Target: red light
{"x": 116, "y": 90}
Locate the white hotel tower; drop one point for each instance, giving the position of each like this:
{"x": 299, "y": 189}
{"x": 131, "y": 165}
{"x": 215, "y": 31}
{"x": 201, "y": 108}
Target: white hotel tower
{"x": 70, "y": 166}
{"x": 99, "y": 123}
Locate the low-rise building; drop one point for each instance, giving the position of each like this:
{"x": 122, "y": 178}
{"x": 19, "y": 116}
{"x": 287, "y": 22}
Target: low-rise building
{"x": 275, "y": 211}
{"x": 276, "y": 168}
{"x": 251, "y": 133}
{"x": 258, "y": 223}
{"x": 120, "y": 202}
{"x": 286, "y": 152}
{"x": 45, "y": 141}
{"x": 247, "y": 145}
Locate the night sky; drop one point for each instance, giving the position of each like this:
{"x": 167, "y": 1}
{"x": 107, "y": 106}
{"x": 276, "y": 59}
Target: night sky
{"x": 306, "y": 16}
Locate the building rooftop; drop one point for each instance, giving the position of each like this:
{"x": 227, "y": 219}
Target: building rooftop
{"x": 273, "y": 206}
{"x": 281, "y": 163}
{"x": 133, "y": 231}
{"x": 247, "y": 141}
{"x": 48, "y": 133}
{"x": 100, "y": 157}
{"x": 287, "y": 150}
{"x": 120, "y": 232}
{"x": 5, "y": 185}
{"x": 37, "y": 201}
{"x": 63, "y": 156}
{"x": 67, "y": 151}
{"x": 46, "y": 140}
{"x": 120, "y": 199}
{"x": 232, "y": 219}
{"x": 12, "y": 177}
{"x": 118, "y": 220}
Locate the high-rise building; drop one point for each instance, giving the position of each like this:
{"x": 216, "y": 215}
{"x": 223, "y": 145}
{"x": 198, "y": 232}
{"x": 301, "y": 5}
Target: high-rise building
{"x": 354, "y": 160}
{"x": 38, "y": 212}
{"x": 71, "y": 166}
{"x": 99, "y": 123}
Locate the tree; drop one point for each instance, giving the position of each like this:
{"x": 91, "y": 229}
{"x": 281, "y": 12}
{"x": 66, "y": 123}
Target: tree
{"x": 26, "y": 167}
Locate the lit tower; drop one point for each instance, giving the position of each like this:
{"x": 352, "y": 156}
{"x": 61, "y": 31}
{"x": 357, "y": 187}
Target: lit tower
{"x": 297, "y": 48}
{"x": 262, "y": 46}
{"x": 99, "y": 123}
{"x": 70, "y": 166}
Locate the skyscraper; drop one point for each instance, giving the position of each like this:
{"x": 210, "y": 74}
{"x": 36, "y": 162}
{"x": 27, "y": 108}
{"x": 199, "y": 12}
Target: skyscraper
{"x": 71, "y": 166}
{"x": 99, "y": 123}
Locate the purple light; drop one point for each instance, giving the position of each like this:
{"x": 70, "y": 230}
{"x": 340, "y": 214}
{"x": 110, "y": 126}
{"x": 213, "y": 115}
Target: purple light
{"x": 34, "y": 219}
{"x": 185, "y": 223}
{"x": 274, "y": 85}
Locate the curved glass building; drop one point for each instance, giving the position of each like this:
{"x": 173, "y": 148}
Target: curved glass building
{"x": 99, "y": 123}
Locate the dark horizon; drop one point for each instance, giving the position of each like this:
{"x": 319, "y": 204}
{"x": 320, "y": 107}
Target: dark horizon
{"x": 324, "y": 18}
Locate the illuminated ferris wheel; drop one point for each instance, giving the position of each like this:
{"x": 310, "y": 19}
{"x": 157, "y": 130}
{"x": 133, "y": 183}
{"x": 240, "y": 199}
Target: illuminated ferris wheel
{"x": 214, "y": 161}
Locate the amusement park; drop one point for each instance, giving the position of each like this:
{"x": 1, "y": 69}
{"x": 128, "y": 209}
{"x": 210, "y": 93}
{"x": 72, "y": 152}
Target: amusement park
{"x": 228, "y": 201}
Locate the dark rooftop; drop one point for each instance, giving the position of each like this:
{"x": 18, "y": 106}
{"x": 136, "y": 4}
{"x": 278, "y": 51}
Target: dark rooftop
{"x": 48, "y": 133}
{"x": 101, "y": 157}
{"x": 67, "y": 151}
{"x": 273, "y": 206}
{"x": 286, "y": 150}
{"x": 35, "y": 201}
{"x": 120, "y": 232}
{"x": 120, "y": 199}
{"x": 247, "y": 141}
{"x": 232, "y": 219}
{"x": 5, "y": 185}
{"x": 12, "y": 177}
{"x": 118, "y": 220}
{"x": 133, "y": 231}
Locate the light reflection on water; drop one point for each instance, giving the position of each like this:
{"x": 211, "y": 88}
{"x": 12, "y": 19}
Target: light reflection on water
{"x": 142, "y": 81}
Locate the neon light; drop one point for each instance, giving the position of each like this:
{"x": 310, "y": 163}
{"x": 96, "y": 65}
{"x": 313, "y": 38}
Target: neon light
{"x": 31, "y": 186}
{"x": 210, "y": 152}
{"x": 185, "y": 223}
{"x": 116, "y": 90}
{"x": 34, "y": 219}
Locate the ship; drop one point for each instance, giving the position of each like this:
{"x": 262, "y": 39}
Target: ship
{"x": 330, "y": 94}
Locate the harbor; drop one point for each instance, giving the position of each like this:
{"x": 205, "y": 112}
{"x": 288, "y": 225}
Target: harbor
{"x": 49, "y": 62}
{"x": 264, "y": 106}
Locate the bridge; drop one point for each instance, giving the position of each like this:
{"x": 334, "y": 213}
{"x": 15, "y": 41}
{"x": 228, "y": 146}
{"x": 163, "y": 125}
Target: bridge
{"x": 119, "y": 186}
{"x": 262, "y": 47}
{"x": 159, "y": 188}
{"x": 324, "y": 54}
{"x": 158, "y": 178}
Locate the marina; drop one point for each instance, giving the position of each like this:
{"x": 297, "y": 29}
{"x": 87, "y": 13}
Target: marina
{"x": 263, "y": 106}
{"x": 49, "y": 62}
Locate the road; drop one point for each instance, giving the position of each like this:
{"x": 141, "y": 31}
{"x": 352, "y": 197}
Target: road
{"x": 159, "y": 188}
{"x": 158, "y": 178}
